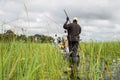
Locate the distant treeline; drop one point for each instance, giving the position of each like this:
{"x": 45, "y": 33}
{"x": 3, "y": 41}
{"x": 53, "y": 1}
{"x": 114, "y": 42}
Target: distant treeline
{"x": 9, "y": 35}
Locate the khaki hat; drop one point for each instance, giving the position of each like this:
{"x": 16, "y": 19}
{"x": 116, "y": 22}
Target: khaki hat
{"x": 75, "y": 18}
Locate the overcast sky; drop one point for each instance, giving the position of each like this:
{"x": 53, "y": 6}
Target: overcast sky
{"x": 99, "y": 19}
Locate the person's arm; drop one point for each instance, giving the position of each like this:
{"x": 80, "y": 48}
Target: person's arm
{"x": 65, "y": 26}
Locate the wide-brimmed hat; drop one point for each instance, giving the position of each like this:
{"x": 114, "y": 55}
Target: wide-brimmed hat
{"x": 75, "y": 18}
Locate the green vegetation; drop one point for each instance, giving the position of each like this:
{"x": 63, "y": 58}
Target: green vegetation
{"x": 42, "y": 61}
{"x": 97, "y": 59}
{"x": 9, "y": 35}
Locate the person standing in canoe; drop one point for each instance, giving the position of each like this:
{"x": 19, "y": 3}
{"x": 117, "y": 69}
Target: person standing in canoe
{"x": 74, "y": 30}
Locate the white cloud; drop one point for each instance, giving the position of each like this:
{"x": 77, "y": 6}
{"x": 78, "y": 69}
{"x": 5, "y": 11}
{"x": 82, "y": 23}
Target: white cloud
{"x": 90, "y": 29}
{"x": 99, "y": 19}
{"x": 1, "y": 12}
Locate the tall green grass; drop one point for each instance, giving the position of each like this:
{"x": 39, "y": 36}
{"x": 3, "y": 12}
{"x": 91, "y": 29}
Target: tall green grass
{"x": 97, "y": 59}
{"x": 37, "y": 61}
{"x": 30, "y": 61}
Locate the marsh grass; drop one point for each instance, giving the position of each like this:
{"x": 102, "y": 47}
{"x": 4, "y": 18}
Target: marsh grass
{"x": 37, "y": 61}
{"x": 97, "y": 59}
{"x": 30, "y": 61}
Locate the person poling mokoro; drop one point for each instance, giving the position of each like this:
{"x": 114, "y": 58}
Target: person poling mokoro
{"x": 73, "y": 29}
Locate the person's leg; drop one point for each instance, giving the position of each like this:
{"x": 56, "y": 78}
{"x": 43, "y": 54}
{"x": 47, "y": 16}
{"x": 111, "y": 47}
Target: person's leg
{"x": 75, "y": 47}
{"x": 74, "y": 60}
{"x": 70, "y": 46}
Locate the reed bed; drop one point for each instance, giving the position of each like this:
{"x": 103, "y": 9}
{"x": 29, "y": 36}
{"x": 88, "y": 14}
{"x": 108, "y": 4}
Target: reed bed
{"x": 43, "y": 61}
